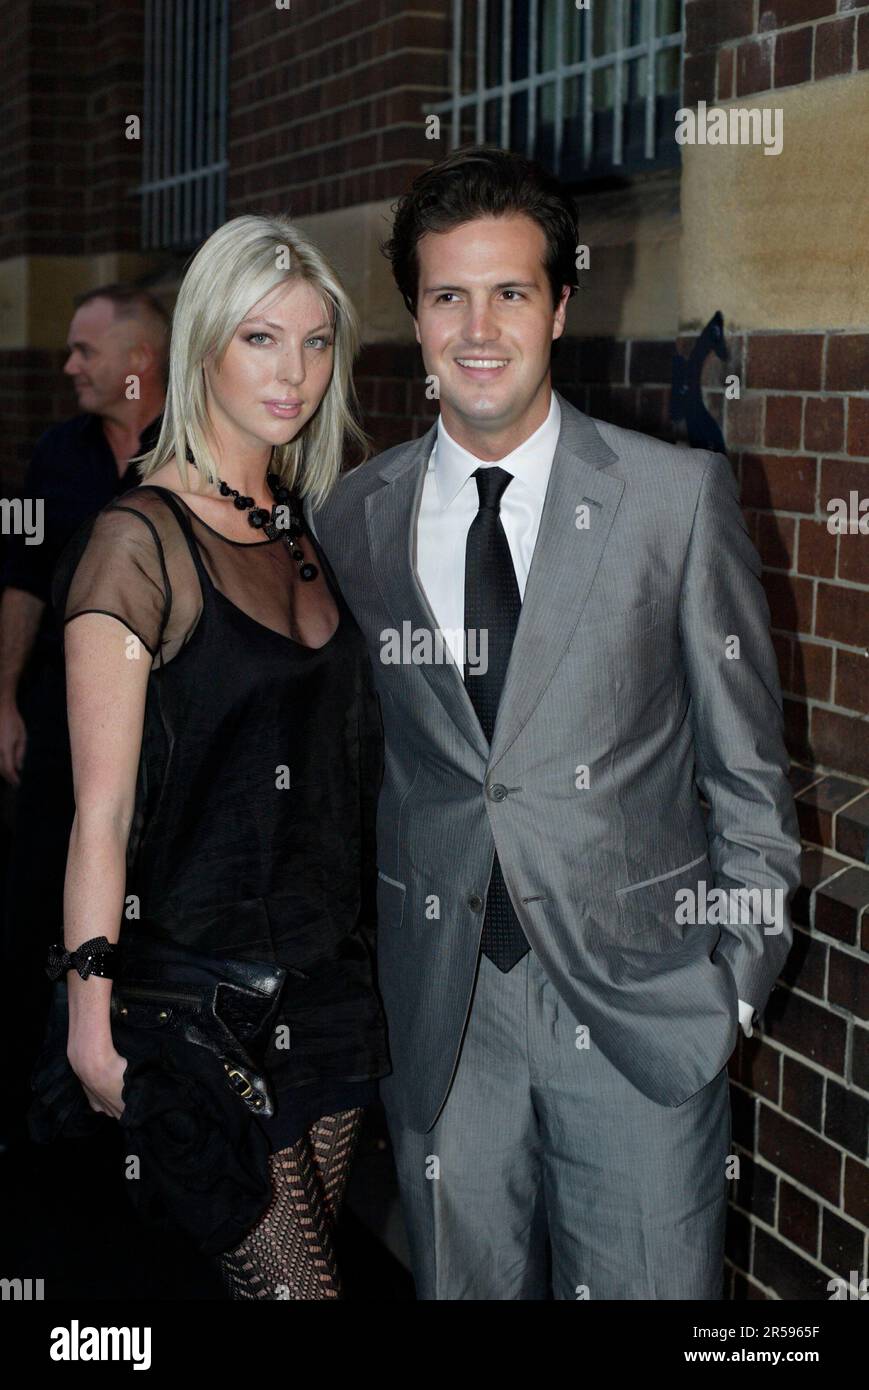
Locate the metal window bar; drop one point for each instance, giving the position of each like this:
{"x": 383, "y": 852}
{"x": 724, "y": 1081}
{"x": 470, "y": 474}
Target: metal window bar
{"x": 559, "y": 83}
{"x": 532, "y": 68}
{"x": 587, "y": 98}
{"x": 456, "y": 69}
{"x": 506, "y": 61}
{"x": 166, "y": 113}
{"x": 178, "y": 106}
{"x": 481, "y": 69}
{"x": 222, "y": 113}
{"x": 651, "y": 75}
{"x": 649, "y": 46}
{"x": 184, "y": 160}
{"x": 209, "y": 113}
{"x": 188, "y": 119}
{"x": 144, "y": 235}
{"x": 618, "y": 85}
{"x": 199, "y": 128}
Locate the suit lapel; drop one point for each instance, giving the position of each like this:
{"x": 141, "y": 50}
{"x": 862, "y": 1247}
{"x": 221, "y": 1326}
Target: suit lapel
{"x": 563, "y": 566}
{"x": 391, "y": 515}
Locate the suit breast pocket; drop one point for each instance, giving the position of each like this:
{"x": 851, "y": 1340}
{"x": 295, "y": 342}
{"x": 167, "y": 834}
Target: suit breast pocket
{"x": 658, "y": 912}
{"x": 639, "y": 616}
{"x": 636, "y": 633}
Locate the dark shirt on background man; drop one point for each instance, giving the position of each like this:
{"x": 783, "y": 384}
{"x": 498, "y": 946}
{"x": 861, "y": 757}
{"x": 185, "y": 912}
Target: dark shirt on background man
{"x": 74, "y": 472}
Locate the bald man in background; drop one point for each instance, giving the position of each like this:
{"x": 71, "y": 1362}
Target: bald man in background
{"x": 118, "y": 345}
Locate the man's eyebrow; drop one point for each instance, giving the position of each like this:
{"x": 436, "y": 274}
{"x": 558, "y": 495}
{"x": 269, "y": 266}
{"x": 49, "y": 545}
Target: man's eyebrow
{"x": 79, "y": 343}
{"x": 503, "y": 285}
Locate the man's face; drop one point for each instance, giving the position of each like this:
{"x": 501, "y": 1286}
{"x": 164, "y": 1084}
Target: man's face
{"x": 485, "y": 322}
{"x": 102, "y": 354}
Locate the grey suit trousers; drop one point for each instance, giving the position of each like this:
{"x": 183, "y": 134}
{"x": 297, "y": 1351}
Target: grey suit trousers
{"x": 548, "y": 1174}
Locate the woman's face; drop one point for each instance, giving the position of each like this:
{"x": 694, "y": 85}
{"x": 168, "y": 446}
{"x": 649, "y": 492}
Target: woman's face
{"x": 275, "y": 370}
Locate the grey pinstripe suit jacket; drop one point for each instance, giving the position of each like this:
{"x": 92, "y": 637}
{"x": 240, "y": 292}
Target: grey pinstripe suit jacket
{"x": 620, "y": 665}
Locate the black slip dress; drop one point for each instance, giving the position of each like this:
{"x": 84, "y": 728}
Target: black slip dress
{"x": 261, "y": 761}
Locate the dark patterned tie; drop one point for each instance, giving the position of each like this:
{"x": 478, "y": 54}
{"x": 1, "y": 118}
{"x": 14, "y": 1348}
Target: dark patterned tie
{"x": 492, "y": 605}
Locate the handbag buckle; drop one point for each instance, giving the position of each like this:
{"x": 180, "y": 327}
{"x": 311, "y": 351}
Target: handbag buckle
{"x": 234, "y": 1076}
{"x": 250, "y": 1095}
{"x": 233, "y": 1072}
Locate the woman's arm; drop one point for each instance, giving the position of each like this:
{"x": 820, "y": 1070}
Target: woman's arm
{"x": 106, "y": 689}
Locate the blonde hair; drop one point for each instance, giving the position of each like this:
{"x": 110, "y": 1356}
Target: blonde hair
{"x": 232, "y": 271}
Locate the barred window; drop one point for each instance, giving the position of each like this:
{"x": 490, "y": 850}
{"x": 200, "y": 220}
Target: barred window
{"x": 183, "y": 188}
{"x": 588, "y": 91}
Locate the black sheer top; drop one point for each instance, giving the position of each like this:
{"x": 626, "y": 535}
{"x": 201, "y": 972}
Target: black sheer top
{"x": 261, "y": 761}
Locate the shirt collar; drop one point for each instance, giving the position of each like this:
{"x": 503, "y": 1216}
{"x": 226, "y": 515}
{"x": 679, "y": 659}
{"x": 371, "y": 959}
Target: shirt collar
{"x": 89, "y": 424}
{"x": 93, "y": 424}
{"x": 531, "y": 460}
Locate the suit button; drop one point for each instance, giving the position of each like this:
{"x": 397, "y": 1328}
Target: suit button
{"x": 497, "y": 791}
{"x": 475, "y": 902}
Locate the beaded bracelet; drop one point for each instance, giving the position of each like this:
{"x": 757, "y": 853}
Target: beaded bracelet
{"x": 93, "y": 957}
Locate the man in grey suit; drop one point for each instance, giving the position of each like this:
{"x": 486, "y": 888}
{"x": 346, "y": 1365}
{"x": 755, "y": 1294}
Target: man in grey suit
{"x": 566, "y": 948}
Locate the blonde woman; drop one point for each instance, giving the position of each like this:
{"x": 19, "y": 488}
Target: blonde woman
{"x": 225, "y": 734}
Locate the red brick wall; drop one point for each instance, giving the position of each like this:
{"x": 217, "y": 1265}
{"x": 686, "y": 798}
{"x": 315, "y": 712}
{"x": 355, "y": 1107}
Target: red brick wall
{"x": 736, "y": 48}
{"x": 15, "y": 119}
{"x": 799, "y": 1089}
{"x": 326, "y": 101}
{"x": 69, "y": 74}
{"x": 798, "y": 436}
{"x": 114, "y": 92}
{"x": 45, "y": 163}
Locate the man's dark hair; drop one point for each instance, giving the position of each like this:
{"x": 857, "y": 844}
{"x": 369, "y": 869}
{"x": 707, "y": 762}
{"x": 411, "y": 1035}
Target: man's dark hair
{"x": 483, "y": 181}
{"x": 128, "y": 300}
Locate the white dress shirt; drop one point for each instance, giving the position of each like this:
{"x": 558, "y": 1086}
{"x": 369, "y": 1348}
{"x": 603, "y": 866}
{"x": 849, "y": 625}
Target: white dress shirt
{"x": 448, "y": 506}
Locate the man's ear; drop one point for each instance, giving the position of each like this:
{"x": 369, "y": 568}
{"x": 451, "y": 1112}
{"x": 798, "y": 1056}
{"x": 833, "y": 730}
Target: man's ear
{"x": 416, "y": 329}
{"x": 559, "y": 319}
{"x": 138, "y": 361}
{"x": 143, "y": 357}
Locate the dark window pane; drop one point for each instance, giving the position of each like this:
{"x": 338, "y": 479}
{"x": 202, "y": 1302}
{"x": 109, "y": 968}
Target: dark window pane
{"x": 492, "y": 134}
{"x": 518, "y": 121}
{"x": 667, "y": 70}
{"x": 494, "y": 29}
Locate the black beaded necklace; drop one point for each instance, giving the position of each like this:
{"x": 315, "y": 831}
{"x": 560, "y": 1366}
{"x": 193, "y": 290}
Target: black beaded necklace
{"x": 262, "y": 520}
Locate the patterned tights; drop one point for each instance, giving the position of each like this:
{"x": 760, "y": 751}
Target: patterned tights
{"x": 290, "y": 1252}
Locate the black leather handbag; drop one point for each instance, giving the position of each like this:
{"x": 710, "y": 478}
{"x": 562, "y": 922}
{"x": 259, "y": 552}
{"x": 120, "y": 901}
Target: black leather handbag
{"x": 192, "y": 1027}
{"x": 225, "y": 1005}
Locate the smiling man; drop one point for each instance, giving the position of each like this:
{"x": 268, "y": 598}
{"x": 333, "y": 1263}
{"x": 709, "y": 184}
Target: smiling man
{"x": 559, "y": 1025}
